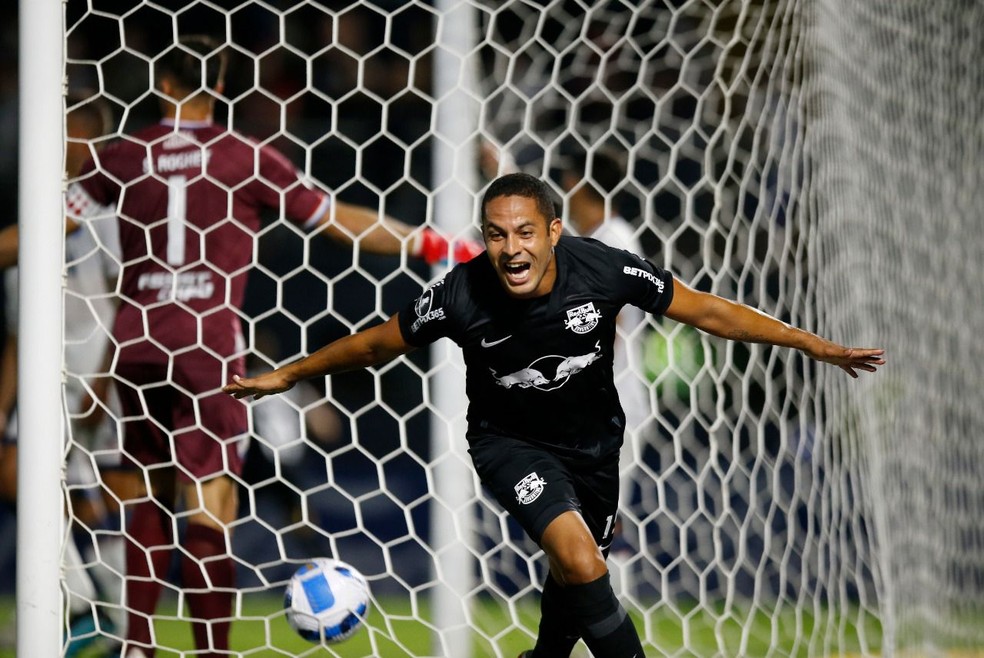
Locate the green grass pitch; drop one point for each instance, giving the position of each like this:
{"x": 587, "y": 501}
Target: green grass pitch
{"x": 395, "y": 630}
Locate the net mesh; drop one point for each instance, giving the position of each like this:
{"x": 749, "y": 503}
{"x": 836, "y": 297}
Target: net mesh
{"x": 816, "y": 160}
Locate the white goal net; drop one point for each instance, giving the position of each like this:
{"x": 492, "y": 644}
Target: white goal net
{"x": 817, "y": 159}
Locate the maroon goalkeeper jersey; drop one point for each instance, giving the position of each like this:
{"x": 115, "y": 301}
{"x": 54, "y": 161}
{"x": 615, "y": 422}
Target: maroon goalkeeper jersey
{"x": 189, "y": 199}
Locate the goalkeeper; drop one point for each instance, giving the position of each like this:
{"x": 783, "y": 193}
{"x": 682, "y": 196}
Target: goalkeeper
{"x": 536, "y": 322}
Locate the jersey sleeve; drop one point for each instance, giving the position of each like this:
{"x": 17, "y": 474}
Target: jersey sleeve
{"x": 302, "y": 203}
{"x": 100, "y": 220}
{"x": 643, "y": 284}
{"x": 98, "y": 187}
{"x": 428, "y": 318}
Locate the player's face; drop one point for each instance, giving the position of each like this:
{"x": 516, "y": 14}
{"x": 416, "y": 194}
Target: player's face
{"x": 77, "y": 148}
{"x": 519, "y": 242}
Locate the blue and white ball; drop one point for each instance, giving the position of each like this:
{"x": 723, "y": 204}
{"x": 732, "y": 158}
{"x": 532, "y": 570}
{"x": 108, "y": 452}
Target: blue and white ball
{"x": 326, "y": 600}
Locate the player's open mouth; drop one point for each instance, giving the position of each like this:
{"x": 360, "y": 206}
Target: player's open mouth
{"x": 516, "y": 272}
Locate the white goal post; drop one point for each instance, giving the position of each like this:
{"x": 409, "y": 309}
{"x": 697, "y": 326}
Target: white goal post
{"x": 40, "y": 525}
{"x": 818, "y": 159}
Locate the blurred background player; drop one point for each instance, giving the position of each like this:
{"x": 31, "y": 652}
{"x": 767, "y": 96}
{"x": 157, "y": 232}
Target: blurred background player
{"x": 187, "y": 236}
{"x": 91, "y": 268}
{"x": 590, "y": 182}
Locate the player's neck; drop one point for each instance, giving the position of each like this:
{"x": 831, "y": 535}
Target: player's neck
{"x": 188, "y": 112}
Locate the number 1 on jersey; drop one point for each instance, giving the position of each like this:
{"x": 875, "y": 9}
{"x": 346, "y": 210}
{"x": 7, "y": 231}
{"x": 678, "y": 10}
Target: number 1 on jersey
{"x": 177, "y": 206}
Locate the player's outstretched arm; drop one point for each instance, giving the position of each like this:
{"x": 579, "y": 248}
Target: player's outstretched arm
{"x": 369, "y": 347}
{"x": 389, "y": 236}
{"x": 728, "y": 319}
{"x": 345, "y": 222}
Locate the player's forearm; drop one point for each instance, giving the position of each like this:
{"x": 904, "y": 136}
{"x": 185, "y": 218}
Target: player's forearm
{"x": 366, "y": 348}
{"x": 351, "y": 223}
{"x": 739, "y": 322}
{"x": 348, "y": 353}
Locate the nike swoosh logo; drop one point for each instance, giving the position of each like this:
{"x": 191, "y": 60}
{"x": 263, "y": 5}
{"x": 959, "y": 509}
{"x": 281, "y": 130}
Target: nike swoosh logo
{"x": 493, "y": 343}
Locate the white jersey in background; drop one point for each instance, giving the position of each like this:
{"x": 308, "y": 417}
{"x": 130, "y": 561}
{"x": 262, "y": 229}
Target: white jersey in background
{"x": 630, "y": 380}
{"x": 91, "y": 269}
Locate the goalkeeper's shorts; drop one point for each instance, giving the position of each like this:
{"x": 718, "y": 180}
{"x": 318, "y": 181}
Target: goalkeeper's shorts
{"x": 174, "y": 414}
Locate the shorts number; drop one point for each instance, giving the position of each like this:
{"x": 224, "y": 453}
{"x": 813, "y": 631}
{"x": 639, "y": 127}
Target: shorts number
{"x": 609, "y": 526}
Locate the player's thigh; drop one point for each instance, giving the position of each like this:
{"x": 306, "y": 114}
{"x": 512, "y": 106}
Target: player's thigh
{"x": 526, "y": 480}
{"x": 212, "y": 503}
{"x": 210, "y": 437}
{"x": 146, "y": 404}
{"x": 572, "y": 550}
{"x": 210, "y": 426}
{"x": 119, "y": 486}
{"x": 188, "y": 422}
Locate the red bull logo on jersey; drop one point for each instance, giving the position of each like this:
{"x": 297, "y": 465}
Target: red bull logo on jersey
{"x": 529, "y": 488}
{"x": 536, "y": 375}
{"x": 522, "y": 378}
{"x": 582, "y": 319}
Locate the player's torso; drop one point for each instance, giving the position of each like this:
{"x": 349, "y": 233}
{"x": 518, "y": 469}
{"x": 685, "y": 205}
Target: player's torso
{"x": 543, "y": 345}
{"x": 543, "y": 368}
{"x": 187, "y": 222}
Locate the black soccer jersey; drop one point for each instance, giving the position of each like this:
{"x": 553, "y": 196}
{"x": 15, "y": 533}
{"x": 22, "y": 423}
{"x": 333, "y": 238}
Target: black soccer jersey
{"x": 541, "y": 369}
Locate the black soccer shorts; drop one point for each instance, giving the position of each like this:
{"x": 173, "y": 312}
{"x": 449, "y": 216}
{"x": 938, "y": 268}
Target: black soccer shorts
{"x": 536, "y": 485}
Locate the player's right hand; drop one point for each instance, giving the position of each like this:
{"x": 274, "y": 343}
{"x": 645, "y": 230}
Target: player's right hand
{"x": 260, "y": 386}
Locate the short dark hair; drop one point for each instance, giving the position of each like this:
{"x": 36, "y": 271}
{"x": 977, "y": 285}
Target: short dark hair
{"x": 196, "y": 63}
{"x": 522, "y": 185}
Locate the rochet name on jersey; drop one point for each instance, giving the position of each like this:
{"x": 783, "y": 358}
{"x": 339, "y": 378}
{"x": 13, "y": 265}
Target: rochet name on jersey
{"x": 171, "y": 162}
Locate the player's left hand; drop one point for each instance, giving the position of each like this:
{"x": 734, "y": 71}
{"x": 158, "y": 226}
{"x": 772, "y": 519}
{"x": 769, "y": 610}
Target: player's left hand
{"x": 849, "y": 359}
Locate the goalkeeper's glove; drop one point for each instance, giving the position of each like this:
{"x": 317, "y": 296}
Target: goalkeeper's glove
{"x": 432, "y": 247}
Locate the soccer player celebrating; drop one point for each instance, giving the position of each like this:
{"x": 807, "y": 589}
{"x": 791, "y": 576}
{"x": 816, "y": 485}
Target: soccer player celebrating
{"x": 188, "y": 194}
{"x": 536, "y": 322}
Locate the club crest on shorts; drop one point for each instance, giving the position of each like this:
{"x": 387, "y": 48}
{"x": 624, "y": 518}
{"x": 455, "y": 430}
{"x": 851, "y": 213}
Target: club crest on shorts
{"x": 582, "y": 319}
{"x": 529, "y": 488}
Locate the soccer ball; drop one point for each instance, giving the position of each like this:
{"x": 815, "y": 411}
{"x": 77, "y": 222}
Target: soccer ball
{"x": 326, "y": 600}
